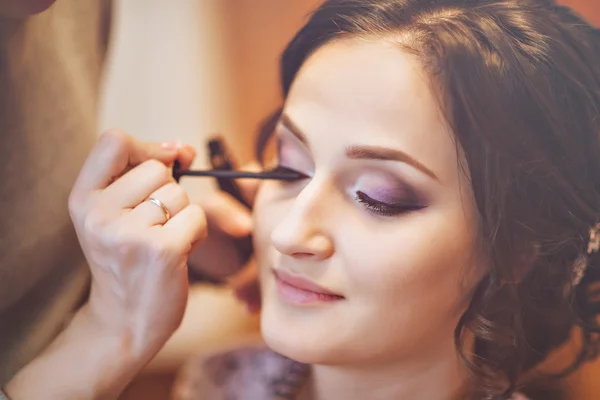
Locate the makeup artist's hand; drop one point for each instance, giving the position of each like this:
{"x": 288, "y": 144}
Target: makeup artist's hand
{"x": 247, "y": 287}
{"x": 137, "y": 256}
{"x": 136, "y": 252}
{"x": 217, "y": 257}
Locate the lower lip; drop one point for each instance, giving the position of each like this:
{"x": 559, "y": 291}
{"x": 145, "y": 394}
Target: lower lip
{"x": 295, "y": 295}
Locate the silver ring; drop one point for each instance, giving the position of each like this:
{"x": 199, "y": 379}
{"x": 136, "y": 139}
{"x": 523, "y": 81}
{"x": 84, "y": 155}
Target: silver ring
{"x": 164, "y": 208}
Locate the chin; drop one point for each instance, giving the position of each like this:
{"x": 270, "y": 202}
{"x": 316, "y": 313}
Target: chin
{"x": 301, "y": 335}
{"x": 293, "y": 344}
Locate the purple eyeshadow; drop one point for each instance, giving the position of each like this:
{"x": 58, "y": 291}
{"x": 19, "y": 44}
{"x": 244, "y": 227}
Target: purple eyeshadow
{"x": 393, "y": 196}
{"x": 385, "y": 195}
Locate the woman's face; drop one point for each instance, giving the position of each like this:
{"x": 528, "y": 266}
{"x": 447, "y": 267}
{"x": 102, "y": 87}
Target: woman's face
{"x": 372, "y": 257}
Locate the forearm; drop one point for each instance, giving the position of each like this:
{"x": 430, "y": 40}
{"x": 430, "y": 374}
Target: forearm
{"x": 84, "y": 362}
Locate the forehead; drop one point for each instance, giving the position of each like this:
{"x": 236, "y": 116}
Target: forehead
{"x": 364, "y": 72}
{"x": 370, "y": 91}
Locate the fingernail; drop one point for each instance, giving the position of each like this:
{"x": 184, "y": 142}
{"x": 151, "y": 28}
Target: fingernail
{"x": 172, "y": 145}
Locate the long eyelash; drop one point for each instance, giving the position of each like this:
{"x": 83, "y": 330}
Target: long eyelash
{"x": 384, "y": 209}
{"x": 281, "y": 168}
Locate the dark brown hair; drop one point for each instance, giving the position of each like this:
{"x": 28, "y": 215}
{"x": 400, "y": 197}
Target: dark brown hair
{"x": 519, "y": 82}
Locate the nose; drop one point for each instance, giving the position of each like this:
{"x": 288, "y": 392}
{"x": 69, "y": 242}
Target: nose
{"x": 305, "y": 231}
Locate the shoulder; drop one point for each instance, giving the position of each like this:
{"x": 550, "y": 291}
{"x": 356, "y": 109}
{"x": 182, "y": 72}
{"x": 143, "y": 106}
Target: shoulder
{"x": 245, "y": 373}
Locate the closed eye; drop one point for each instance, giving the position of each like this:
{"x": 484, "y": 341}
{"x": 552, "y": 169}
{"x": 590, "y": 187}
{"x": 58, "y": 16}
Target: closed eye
{"x": 385, "y": 209}
{"x": 282, "y": 169}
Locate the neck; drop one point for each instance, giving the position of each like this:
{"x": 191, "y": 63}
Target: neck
{"x": 440, "y": 378}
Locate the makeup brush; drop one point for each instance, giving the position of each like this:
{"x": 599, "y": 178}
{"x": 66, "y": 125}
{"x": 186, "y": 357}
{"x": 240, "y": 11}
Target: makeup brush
{"x": 223, "y": 171}
{"x": 229, "y": 174}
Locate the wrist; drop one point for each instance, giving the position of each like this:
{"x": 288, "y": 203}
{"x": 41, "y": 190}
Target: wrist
{"x": 111, "y": 353}
{"x": 87, "y": 361}
{"x": 135, "y": 329}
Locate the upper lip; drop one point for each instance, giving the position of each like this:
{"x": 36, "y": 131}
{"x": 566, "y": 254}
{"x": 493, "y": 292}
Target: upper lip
{"x": 302, "y": 283}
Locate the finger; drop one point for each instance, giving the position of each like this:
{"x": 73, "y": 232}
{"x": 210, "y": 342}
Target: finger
{"x": 246, "y": 287}
{"x": 227, "y": 214}
{"x": 171, "y": 195}
{"x": 111, "y": 156}
{"x": 186, "y": 228}
{"x": 249, "y": 186}
{"x": 136, "y": 185}
{"x": 184, "y": 153}
{"x": 250, "y": 295}
{"x": 246, "y": 275}
{"x": 186, "y": 156}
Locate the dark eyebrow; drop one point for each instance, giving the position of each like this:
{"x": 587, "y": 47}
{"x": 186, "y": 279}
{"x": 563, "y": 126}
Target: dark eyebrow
{"x": 363, "y": 152}
{"x": 384, "y": 153}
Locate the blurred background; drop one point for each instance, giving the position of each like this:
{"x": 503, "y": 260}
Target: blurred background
{"x": 190, "y": 69}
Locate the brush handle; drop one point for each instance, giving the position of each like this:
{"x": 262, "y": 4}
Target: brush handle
{"x": 226, "y": 174}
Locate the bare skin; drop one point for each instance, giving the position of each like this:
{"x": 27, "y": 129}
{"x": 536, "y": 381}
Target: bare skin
{"x": 385, "y": 221}
{"x": 138, "y": 261}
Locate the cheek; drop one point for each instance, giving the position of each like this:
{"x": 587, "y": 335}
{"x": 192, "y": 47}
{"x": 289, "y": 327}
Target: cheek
{"x": 422, "y": 263}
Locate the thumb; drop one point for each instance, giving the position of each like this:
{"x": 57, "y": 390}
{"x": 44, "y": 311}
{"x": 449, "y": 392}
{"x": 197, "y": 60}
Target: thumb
{"x": 246, "y": 286}
{"x": 227, "y": 214}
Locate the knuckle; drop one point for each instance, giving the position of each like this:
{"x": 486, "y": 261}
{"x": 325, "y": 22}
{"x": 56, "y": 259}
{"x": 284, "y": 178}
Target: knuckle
{"x": 179, "y": 194}
{"x": 153, "y": 165}
{"x": 155, "y": 170}
{"x": 114, "y": 139}
{"x": 113, "y": 236}
{"x": 75, "y": 204}
{"x": 198, "y": 216}
{"x": 95, "y": 225}
{"x": 125, "y": 244}
{"x": 164, "y": 251}
{"x": 114, "y": 142}
{"x": 114, "y": 135}
{"x": 197, "y": 213}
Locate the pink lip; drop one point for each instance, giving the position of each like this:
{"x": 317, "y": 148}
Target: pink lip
{"x": 301, "y": 291}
